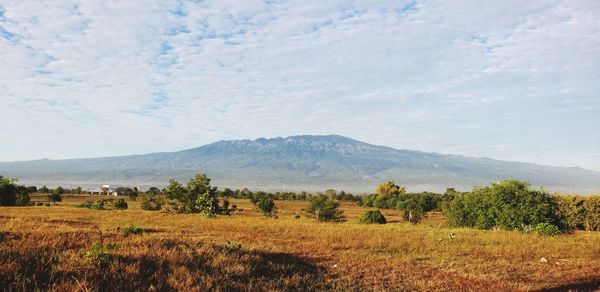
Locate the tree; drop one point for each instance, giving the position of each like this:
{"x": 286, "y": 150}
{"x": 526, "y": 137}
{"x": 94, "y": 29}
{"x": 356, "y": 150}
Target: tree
{"x": 152, "y": 203}
{"x": 153, "y": 191}
{"x": 323, "y": 208}
{"x": 510, "y": 204}
{"x": 413, "y": 211}
{"x": 44, "y": 190}
{"x": 22, "y": 196}
{"x": 267, "y": 207}
{"x": 198, "y": 196}
{"x": 129, "y": 192}
{"x": 389, "y": 188}
{"x": 54, "y": 197}
{"x": 8, "y": 192}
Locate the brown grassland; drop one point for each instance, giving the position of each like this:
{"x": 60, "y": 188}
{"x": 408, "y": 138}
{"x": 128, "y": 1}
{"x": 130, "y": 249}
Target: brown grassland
{"x": 50, "y": 248}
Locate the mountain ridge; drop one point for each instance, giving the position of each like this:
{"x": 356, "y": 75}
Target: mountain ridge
{"x": 302, "y": 162}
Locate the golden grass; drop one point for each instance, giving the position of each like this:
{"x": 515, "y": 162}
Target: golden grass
{"x": 41, "y": 247}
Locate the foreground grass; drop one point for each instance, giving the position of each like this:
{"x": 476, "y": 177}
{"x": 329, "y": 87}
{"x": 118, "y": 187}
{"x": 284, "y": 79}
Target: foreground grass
{"x": 67, "y": 248}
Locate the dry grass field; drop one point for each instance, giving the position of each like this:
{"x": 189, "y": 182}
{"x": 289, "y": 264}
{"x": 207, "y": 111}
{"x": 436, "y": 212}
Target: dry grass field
{"x": 65, "y": 248}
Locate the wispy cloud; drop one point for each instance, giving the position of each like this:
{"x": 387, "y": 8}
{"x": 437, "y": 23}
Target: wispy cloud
{"x": 88, "y": 78}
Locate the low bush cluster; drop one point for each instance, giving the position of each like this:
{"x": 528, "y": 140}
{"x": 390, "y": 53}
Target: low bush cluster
{"x": 198, "y": 196}
{"x": 372, "y": 217}
{"x": 133, "y": 230}
{"x": 579, "y": 212}
{"x": 510, "y": 204}
{"x": 267, "y": 207}
{"x": 120, "y": 204}
{"x": 152, "y": 202}
{"x": 324, "y": 208}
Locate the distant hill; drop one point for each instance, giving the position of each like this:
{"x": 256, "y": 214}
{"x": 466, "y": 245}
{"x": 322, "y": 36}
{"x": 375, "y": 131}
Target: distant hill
{"x": 300, "y": 163}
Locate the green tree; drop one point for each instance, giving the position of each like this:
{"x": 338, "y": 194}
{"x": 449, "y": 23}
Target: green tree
{"x": 510, "y": 204}
{"x": 323, "y": 208}
{"x": 267, "y": 207}
{"x": 389, "y": 188}
{"x": 198, "y": 196}
{"x": 153, "y": 191}
{"x": 54, "y": 197}
{"x": 8, "y": 192}
{"x": 132, "y": 193}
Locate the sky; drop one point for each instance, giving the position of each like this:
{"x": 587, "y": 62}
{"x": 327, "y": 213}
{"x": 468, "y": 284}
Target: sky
{"x": 511, "y": 80}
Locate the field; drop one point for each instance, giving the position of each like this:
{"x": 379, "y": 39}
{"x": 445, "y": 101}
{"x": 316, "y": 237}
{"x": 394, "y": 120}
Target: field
{"x": 66, "y": 248}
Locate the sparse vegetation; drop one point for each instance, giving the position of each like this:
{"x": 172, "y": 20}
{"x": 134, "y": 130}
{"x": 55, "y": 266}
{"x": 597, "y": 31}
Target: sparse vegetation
{"x": 308, "y": 256}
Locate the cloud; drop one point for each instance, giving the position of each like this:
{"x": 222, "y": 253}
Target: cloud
{"x": 93, "y": 78}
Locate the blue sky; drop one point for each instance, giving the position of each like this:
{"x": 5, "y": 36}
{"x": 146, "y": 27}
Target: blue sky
{"x": 514, "y": 80}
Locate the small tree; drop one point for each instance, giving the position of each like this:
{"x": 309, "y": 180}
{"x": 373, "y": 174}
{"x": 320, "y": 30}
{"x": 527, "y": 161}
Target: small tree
{"x": 324, "y": 208}
{"x": 153, "y": 191}
{"x": 267, "y": 207}
{"x": 152, "y": 203}
{"x": 8, "y": 192}
{"x": 372, "y": 217}
{"x": 120, "y": 204}
{"x": 54, "y": 197}
{"x": 413, "y": 212}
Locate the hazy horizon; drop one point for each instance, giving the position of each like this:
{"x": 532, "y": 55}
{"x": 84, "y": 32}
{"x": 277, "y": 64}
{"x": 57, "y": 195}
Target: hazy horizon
{"x": 510, "y": 81}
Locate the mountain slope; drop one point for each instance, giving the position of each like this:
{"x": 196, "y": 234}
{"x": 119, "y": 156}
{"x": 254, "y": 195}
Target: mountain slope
{"x": 301, "y": 163}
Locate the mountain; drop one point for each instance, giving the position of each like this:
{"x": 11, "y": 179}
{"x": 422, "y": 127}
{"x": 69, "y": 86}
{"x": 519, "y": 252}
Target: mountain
{"x": 300, "y": 163}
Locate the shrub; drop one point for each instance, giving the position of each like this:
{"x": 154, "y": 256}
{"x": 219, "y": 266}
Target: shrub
{"x": 39, "y": 204}
{"x": 86, "y": 204}
{"x": 133, "y": 230}
{"x": 152, "y": 203}
{"x": 97, "y": 255}
{"x": 372, "y": 217}
{"x": 413, "y": 212}
{"x": 592, "y": 211}
{"x": 8, "y": 192}
{"x": 324, "y": 208}
{"x": 509, "y": 204}
{"x": 98, "y": 205}
{"x": 54, "y": 197}
{"x": 267, "y": 207}
{"x": 198, "y": 196}
{"x": 547, "y": 229}
{"x": 120, "y": 204}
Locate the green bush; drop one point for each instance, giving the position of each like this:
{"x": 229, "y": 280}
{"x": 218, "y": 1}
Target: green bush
{"x": 152, "y": 203}
{"x": 133, "y": 230}
{"x": 510, "y": 204}
{"x": 547, "y": 229}
{"x": 8, "y": 192}
{"x": 372, "y": 217}
{"x": 267, "y": 207}
{"x": 120, "y": 204}
{"x": 198, "y": 196}
{"x": 324, "y": 208}
{"x": 97, "y": 255}
{"x": 54, "y": 197}
{"x": 412, "y": 211}
{"x": 98, "y": 205}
